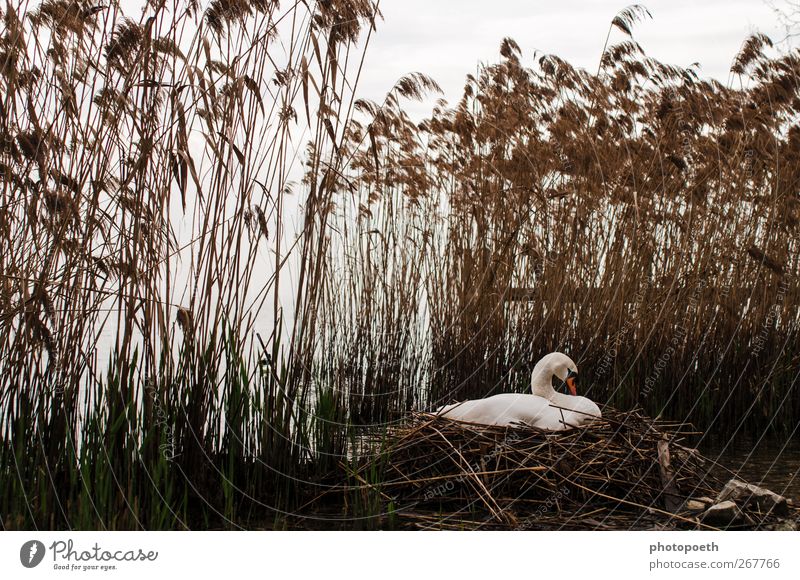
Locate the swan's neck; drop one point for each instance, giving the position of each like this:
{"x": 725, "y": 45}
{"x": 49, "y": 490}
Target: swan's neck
{"x": 542, "y": 383}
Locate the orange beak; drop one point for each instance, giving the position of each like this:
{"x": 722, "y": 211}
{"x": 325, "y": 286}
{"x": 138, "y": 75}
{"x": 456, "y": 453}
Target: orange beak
{"x": 571, "y": 386}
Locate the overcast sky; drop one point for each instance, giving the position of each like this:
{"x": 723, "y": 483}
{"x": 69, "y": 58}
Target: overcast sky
{"x": 448, "y": 38}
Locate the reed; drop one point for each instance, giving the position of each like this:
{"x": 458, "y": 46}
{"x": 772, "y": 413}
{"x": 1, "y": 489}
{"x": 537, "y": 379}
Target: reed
{"x": 148, "y": 168}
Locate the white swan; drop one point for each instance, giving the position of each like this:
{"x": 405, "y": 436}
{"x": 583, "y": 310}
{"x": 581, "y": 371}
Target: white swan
{"x": 545, "y": 408}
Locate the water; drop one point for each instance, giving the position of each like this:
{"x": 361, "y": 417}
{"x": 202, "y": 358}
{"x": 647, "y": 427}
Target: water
{"x": 773, "y": 463}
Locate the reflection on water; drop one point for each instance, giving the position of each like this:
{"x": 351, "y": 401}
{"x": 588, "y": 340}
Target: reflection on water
{"x": 772, "y": 462}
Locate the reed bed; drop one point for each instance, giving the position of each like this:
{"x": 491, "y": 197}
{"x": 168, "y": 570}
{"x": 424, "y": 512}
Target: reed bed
{"x": 638, "y": 216}
{"x": 626, "y": 471}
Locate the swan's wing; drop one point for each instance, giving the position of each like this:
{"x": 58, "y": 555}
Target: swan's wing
{"x": 502, "y": 409}
{"x": 540, "y": 413}
{"x": 584, "y": 411}
{"x": 590, "y": 408}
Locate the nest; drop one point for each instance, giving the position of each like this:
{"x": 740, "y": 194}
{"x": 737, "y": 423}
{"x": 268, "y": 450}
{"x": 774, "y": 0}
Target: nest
{"x": 626, "y": 471}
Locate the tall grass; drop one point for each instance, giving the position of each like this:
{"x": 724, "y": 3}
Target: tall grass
{"x": 149, "y": 172}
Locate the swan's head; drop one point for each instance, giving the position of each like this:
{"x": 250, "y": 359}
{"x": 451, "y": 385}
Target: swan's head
{"x": 555, "y": 364}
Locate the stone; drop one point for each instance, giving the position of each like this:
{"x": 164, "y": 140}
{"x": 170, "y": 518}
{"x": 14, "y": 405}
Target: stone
{"x": 694, "y": 505}
{"x": 750, "y": 496}
{"x": 722, "y": 514}
{"x": 785, "y": 526}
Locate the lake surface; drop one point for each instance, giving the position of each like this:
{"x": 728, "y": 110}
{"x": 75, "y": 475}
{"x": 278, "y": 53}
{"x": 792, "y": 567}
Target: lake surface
{"x": 772, "y": 462}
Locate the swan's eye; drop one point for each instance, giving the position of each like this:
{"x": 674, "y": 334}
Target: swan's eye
{"x": 566, "y": 385}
